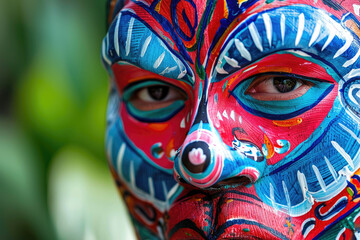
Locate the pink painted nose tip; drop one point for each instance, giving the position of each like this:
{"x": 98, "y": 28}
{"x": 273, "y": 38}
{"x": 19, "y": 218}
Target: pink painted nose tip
{"x": 200, "y": 162}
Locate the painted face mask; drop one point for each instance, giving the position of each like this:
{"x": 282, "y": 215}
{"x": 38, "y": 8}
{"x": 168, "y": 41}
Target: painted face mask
{"x": 235, "y": 119}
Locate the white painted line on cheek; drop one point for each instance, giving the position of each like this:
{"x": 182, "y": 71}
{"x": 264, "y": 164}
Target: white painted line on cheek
{"x": 120, "y": 158}
{"x": 319, "y": 178}
{"x": 225, "y": 114}
{"x": 331, "y": 169}
{"x": 219, "y": 116}
{"x": 344, "y": 154}
{"x": 182, "y": 124}
{"x": 232, "y": 115}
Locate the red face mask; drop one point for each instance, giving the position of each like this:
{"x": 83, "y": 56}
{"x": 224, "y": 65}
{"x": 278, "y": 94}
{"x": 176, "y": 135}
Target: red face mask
{"x": 235, "y": 119}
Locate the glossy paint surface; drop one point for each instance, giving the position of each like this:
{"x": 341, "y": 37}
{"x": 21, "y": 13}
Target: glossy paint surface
{"x": 235, "y": 119}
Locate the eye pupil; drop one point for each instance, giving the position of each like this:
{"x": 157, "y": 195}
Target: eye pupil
{"x": 284, "y": 84}
{"x": 158, "y": 92}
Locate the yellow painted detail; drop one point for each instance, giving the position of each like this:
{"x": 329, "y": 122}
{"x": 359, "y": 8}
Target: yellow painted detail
{"x": 157, "y": 7}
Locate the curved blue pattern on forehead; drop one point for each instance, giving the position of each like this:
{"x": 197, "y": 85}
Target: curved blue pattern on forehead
{"x": 310, "y": 173}
{"x": 132, "y": 40}
{"x": 294, "y": 27}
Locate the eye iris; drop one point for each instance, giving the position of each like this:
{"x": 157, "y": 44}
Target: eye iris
{"x": 158, "y": 92}
{"x": 284, "y": 84}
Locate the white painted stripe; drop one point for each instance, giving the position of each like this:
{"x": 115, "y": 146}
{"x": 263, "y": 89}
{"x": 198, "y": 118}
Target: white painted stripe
{"x": 300, "y": 31}
{"x": 287, "y": 197}
{"x": 282, "y": 27}
{"x": 128, "y": 37}
{"x": 243, "y": 51}
{"x": 302, "y": 183}
{"x": 172, "y": 191}
{"x": 104, "y": 55}
{"x": 232, "y": 62}
{"x": 120, "y": 158}
{"x": 352, "y": 134}
{"x": 159, "y": 60}
{"x": 132, "y": 175}
{"x": 330, "y": 38}
{"x": 352, "y": 73}
{"x": 268, "y": 27}
{"x": 331, "y": 168}
{"x": 349, "y": 40}
{"x": 219, "y": 116}
{"x": 319, "y": 178}
{"x": 272, "y": 197}
{"x": 116, "y": 35}
{"x": 255, "y": 36}
{"x": 316, "y": 33}
{"x": 151, "y": 187}
{"x": 220, "y": 70}
{"x": 182, "y": 124}
{"x": 165, "y": 190}
{"x": 232, "y": 115}
{"x": 344, "y": 154}
{"x": 145, "y": 46}
{"x": 352, "y": 60}
{"x": 225, "y": 114}
{"x": 167, "y": 70}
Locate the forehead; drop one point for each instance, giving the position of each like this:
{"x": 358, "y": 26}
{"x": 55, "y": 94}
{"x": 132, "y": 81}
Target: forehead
{"x": 189, "y": 35}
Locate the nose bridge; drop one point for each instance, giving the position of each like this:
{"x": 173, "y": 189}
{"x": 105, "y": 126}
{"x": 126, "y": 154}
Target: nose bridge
{"x": 204, "y": 159}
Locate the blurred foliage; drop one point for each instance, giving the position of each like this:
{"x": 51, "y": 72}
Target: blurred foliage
{"x": 53, "y": 93}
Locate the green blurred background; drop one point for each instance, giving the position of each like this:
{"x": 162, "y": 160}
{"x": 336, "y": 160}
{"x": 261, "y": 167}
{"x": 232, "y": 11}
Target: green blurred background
{"x": 54, "y": 181}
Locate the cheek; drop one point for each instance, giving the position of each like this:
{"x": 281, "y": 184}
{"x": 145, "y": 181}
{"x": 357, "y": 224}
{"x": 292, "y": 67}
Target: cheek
{"x": 158, "y": 141}
{"x": 277, "y": 138}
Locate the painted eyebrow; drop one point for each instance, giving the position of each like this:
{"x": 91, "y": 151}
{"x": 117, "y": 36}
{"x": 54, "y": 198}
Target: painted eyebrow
{"x": 130, "y": 39}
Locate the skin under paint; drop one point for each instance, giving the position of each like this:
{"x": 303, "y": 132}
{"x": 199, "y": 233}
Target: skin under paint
{"x": 235, "y": 119}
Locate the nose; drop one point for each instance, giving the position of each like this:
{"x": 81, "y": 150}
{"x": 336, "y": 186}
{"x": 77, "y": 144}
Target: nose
{"x": 205, "y": 161}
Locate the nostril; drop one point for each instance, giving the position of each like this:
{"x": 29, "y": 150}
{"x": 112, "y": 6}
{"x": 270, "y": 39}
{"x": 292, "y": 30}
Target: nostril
{"x": 196, "y": 157}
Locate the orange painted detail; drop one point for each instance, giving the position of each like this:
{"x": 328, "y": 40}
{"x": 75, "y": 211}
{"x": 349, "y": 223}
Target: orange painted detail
{"x": 269, "y": 146}
{"x": 288, "y": 123}
{"x": 226, "y": 11}
{"x": 169, "y": 148}
{"x": 158, "y": 126}
{"x": 353, "y": 26}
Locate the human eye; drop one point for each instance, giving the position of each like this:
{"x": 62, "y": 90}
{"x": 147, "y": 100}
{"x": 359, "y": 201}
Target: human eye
{"x": 277, "y": 87}
{"x": 280, "y": 96}
{"x": 153, "y": 100}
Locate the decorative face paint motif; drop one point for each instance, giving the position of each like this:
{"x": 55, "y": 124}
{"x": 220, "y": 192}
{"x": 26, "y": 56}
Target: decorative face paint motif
{"x": 235, "y": 119}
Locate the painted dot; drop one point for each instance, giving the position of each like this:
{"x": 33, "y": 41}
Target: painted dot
{"x": 246, "y": 230}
